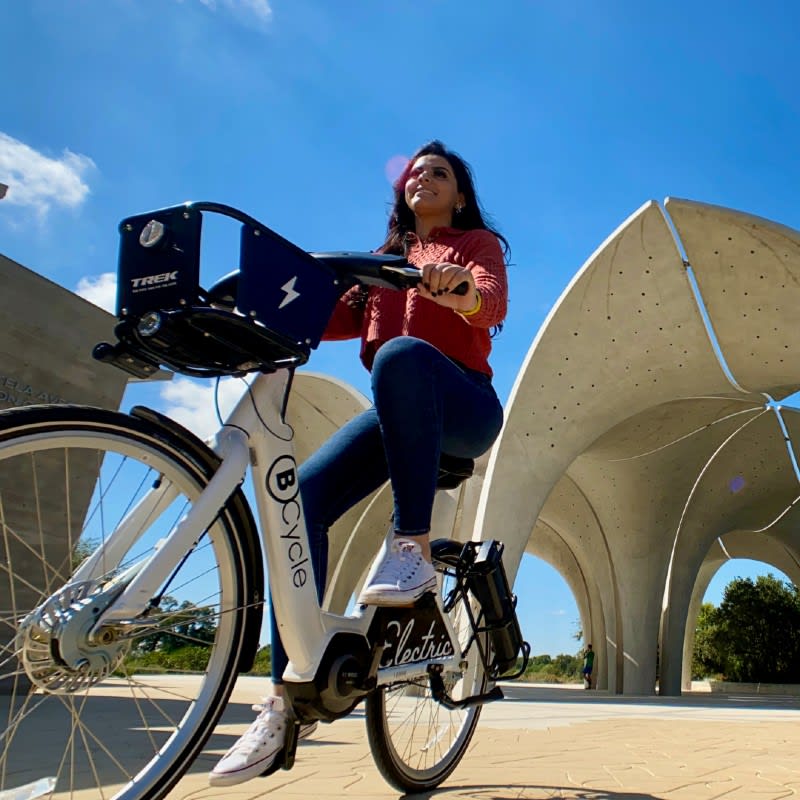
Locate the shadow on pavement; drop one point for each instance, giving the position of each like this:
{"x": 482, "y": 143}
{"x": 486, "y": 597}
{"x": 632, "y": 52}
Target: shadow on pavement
{"x": 117, "y": 735}
{"x": 529, "y": 791}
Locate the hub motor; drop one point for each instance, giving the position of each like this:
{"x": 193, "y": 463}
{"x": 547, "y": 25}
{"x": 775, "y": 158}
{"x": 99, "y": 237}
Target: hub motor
{"x": 55, "y": 646}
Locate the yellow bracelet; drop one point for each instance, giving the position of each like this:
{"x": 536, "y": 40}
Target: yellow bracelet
{"x": 476, "y": 308}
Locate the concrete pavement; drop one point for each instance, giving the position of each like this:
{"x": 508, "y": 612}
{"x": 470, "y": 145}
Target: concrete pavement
{"x": 544, "y": 742}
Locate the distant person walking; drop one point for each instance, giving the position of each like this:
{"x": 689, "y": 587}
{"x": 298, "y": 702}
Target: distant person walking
{"x": 588, "y": 666}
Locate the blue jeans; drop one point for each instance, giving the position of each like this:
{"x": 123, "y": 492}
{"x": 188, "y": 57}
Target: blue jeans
{"x": 425, "y": 404}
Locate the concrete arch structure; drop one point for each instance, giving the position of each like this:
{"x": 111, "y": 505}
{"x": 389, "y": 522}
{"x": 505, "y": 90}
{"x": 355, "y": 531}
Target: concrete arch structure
{"x": 624, "y": 430}
{"x": 737, "y": 544}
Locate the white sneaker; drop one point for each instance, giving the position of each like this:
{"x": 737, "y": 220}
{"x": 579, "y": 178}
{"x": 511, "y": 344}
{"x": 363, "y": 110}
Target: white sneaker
{"x": 255, "y": 752}
{"x": 403, "y": 576}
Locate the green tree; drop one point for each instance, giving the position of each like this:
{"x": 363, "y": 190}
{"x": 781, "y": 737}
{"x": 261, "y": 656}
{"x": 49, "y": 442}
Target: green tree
{"x": 177, "y": 625}
{"x": 705, "y": 660}
{"x": 81, "y": 551}
{"x": 263, "y": 662}
{"x": 546, "y": 669}
{"x": 754, "y": 635}
{"x": 193, "y": 658}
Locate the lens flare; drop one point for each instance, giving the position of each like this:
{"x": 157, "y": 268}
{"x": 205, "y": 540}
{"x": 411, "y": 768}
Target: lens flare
{"x": 736, "y": 484}
{"x": 394, "y": 168}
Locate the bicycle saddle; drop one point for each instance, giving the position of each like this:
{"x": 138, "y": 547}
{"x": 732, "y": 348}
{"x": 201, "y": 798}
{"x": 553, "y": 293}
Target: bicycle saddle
{"x": 453, "y": 471}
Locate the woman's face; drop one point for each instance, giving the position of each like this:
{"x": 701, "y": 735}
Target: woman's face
{"x": 431, "y": 189}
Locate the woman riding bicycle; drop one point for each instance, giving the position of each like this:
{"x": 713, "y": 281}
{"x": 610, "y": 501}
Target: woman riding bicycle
{"x": 427, "y": 350}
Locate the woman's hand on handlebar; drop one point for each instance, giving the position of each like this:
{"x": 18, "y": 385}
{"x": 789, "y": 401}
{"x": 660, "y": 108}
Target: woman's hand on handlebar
{"x": 439, "y": 281}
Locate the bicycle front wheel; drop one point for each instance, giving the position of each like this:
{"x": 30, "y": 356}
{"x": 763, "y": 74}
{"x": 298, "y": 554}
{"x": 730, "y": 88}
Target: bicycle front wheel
{"x": 123, "y": 712}
{"x": 417, "y": 742}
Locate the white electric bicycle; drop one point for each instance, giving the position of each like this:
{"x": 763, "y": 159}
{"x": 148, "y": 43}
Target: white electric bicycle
{"x": 124, "y": 540}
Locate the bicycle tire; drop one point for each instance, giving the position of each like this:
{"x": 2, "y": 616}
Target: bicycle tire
{"x": 415, "y": 741}
{"x": 132, "y": 732}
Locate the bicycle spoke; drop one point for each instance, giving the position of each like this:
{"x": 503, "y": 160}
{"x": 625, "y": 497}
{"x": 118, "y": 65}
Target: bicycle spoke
{"x": 69, "y": 754}
{"x": 114, "y": 713}
{"x": 69, "y": 703}
{"x": 417, "y": 741}
{"x": 155, "y": 704}
{"x": 143, "y": 718}
{"x": 59, "y": 573}
{"x": 97, "y": 782}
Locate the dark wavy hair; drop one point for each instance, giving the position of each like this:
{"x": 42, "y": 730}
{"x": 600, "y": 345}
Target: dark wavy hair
{"x": 471, "y": 217}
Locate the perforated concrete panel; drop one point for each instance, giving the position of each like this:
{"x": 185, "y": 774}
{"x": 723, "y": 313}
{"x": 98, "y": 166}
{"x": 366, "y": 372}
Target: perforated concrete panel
{"x": 748, "y": 271}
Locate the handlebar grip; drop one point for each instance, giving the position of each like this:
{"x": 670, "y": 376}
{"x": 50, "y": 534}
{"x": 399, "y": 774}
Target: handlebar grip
{"x": 407, "y": 277}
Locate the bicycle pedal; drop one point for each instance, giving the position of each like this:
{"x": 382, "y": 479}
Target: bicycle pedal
{"x": 285, "y": 759}
{"x": 290, "y": 745}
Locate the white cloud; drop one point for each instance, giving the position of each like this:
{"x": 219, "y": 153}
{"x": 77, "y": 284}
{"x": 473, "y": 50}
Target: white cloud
{"x": 249, "y": 12}
{"x": 100, "y": 290}
{"x": 38, "y": 181}
{"x": 192, "y": 402}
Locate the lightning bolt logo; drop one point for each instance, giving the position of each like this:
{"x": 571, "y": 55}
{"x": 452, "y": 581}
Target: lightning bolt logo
{"x": 291, "y": 294}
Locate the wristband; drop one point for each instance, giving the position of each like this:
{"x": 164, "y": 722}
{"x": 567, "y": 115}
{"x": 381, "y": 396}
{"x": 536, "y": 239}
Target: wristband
{"x": 476, "y": 308}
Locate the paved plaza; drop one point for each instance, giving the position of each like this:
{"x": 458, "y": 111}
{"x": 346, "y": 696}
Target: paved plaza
{"x": 540, "y": 742}
{"x": 555, "y": 743}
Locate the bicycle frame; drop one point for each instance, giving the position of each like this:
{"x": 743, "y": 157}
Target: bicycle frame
{"x": 266, "y": 318}
{"x": 255, "y": 436}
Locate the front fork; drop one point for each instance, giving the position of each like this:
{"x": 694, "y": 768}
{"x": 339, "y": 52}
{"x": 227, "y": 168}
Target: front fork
{"x": 143, "y": 580}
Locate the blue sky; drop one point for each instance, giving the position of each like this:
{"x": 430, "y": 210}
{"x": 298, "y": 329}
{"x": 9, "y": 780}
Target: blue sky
{"x": 571, "y": 114}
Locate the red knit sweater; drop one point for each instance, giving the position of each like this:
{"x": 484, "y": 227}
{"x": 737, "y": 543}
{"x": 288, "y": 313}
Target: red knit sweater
{"x": 388, "y": 313}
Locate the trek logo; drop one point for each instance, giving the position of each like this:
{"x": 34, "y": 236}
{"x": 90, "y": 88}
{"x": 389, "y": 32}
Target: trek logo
{"x": 404, "y": 645}
{"x": 282, "y": 485}
{"x": 154, "y": 280}
{"x": 291, "y": 294}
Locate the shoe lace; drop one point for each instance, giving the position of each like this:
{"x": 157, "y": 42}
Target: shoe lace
{"x": 400, "y": 563}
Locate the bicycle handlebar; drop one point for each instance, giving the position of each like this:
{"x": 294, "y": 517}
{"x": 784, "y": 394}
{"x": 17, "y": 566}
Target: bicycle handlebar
{"x": 268, "y": 315}
{"x": 378, "y": 269}
{"x": 370, "y": 269}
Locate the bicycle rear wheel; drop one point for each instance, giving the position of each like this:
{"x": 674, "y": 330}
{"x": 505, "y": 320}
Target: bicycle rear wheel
{"x": 415, "y": 741}
{"x": 122, "y": 715}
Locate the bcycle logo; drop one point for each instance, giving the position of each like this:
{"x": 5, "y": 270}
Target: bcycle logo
{"x": 282, "y": 485}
